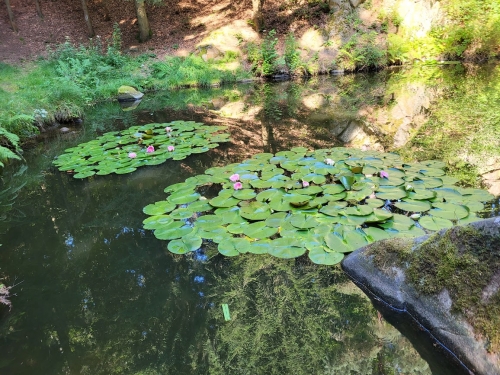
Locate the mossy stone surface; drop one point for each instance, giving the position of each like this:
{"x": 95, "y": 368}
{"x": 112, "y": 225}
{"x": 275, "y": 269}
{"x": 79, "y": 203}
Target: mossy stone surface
{"x": 448, "y": 281}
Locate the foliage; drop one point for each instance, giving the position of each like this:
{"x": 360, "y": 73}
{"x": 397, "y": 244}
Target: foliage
{"x": 292, "y": 54}
{"x": 265, "y": 58}
{"x": 361, "y": 52}
{"x": 327, "y": 202}
{"x": 123, "y": 152}
{"x": 8, "y": 140}
{"x": 464, "y": 125}
{"x": 192, "y": 70}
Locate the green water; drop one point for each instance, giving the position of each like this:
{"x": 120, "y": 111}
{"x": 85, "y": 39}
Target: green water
{"x": 97, "y": 294}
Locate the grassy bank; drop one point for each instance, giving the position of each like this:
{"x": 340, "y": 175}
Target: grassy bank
{"x": 58, "y": 89}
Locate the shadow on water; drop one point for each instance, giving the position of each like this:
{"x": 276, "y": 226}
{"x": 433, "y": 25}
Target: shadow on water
{"x": 101, "y": 295}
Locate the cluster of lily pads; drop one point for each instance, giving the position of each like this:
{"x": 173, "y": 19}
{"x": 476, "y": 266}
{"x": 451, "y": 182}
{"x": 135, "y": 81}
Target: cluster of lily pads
{"x": 124, "y": 151}
{"x": 326, "y": 202}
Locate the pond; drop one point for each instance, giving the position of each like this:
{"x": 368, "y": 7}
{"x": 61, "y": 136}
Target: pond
{"x": 97, "y": 294}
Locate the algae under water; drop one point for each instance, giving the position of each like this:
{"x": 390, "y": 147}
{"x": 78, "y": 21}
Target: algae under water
{"x": 99, "y": 294}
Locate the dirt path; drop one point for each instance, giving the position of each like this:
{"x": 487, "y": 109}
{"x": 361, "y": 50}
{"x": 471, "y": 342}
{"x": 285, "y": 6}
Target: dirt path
{"x": 177, "y": 28}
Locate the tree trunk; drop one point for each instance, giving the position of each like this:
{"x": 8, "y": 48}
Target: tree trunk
{"x": 11, "y": 16}
{"x": 257, "y": 17}
{"x": 87, "y": 18}
{"x": 142, "y": 20}
{"x": 38, "y": 9}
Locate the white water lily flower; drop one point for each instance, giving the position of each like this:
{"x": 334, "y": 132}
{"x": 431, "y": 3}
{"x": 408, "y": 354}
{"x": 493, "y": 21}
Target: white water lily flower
{"x": 329, "y": 161}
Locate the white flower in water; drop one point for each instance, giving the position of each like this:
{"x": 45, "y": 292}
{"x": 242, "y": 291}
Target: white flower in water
{"x": 329, "y": 161}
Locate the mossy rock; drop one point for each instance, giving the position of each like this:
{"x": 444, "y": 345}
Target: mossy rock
{"x": 449, "y": 282}
{"x": 128, "y": 94}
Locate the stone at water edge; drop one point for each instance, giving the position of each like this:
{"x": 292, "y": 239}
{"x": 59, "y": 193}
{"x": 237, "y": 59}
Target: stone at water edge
{"x": 128, "y": 93}
{"x": 406, "y": 274}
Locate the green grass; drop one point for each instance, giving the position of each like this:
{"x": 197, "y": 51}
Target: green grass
{"x": 62, "y": 86}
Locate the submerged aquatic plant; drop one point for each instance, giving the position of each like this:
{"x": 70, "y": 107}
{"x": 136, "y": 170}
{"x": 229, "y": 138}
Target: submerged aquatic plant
{"x": 124, "y": 151}
{"x": 296, "y": 202}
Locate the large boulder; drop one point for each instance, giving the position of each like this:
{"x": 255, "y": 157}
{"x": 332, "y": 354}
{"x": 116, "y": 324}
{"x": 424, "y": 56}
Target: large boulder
{"x": 128, "y": 94}
{"x": 448, "y": 282}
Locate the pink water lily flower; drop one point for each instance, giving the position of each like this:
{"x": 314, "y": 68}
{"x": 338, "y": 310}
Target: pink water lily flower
{"x": 384, "y": 174}
{"x": 235, "y": 177}
{"x": 237, "y": 186}
{"x": 150, "y": 149}
{"x": 168, "y": 129}
{"x": 305, "y": 183}
{"x": 329, "y": 162}
{"x": 132, "y": 155}
{"x": 170, "y": 148}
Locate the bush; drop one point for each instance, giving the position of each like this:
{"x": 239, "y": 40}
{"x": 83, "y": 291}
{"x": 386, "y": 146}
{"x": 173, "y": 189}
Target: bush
{"x": 264, "y": 57}
{"x": 292, "y": 54}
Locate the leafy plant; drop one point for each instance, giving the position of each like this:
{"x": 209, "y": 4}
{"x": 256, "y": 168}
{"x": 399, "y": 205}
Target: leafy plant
{"x": 292, "y": 54}
{"x": 124, "y": 151}
{"x": 264, "y": 57}
{"x": 326, "y": 202}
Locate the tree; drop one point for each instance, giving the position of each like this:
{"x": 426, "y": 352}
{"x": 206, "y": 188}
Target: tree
{"x": 38, "y": 8}
{"x": 11, "y": 16}
{"x": 257, "y": 17}
{"x": 142, "y": 20}
{"x": 87, "y": 18}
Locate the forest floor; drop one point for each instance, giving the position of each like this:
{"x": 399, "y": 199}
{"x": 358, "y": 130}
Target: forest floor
{"x": 177, "y": 28}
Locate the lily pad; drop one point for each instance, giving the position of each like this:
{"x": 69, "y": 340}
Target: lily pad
{"x": 185, "y": 244}
{"x": 137, "y": 146}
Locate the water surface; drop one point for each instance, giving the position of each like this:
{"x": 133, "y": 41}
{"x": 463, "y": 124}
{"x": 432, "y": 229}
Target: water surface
{"x": 97, "y": 294}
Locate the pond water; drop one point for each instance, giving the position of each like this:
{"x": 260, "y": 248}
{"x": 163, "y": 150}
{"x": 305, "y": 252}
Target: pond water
{"x": 97, "y": 294}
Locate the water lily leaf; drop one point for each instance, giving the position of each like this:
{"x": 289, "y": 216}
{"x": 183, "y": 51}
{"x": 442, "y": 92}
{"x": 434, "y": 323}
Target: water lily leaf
{"x": 230, "y": 215}
{"x": 259, "y": 230}
{"x": 172, "y": 231}
{"x": 159, "y": 208}
{"x": 303, "y": 221}
{"x": 255, "y": 210}
{"x": 199, "y": 206}
{"x": 181, "y": 214}
{"x": 222, "y": 201}
{"x": 310, "y": 190}
{"x": 477, "y": 195}
{"x": 185, "y": 244}
{"x": 435, "y": 223}
{"x": 474, "y": 206}
{"x": 398, "y": 222}
{"x": 354, "y": 196}
{"x": 217, "y": 235}
{"x": 333, "y": 189}
{"x": 336, "y": 243}
{"x": 347, "y": 181}
{"x": 429, "y": 183}
{"x": 157, "y": 221}
{"x": 331, "y": 209}
{"x": 319, "y": 256}
{"x": 207, "y": 222}
{"x": 355, "y": 239}
{"x": 230, "y": 246}
{"x": 183, "y": 197}
{"x": 432, "y": 172}
{"x": 179, "y": 187}
{"x": 391, "y": 193}
{"x": 378, "y": 216}
{"x": 259, "y": 247}
{"x": 244, "y": 194}
{"x": 373, "y": 234}
{"x": 286, "y": 248}
{"x": 374, "y": 202}
{"x": 336, "y": 197}
{"x": 358, "y": 211}
{"x": 276, "y": 220}
{"x": 84, "y": 174}
{"x": 261, "y": 184}
{"x": 413, "y": 205}
{"x": 472, "y": 217}
{"x": 448, "y": 194}
{"x": 422, "y": 194}
{"x": 449, "y": 211}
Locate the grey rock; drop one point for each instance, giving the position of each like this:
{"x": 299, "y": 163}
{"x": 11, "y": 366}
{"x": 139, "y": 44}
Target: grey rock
{"x": 389, "y": 286}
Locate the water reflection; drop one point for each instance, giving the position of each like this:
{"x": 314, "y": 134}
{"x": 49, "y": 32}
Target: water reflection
{"x": 100, "y": 295}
